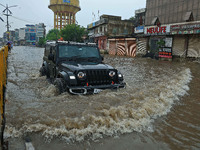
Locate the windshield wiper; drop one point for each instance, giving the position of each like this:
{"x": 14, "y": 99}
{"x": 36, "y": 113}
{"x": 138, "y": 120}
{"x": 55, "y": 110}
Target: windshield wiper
{"x": 93, "y": 59}
{"x": 73, "y": 58}
{"x": 79, "y": 58}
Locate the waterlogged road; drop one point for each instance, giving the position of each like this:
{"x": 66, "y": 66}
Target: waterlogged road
{"x": 159, "y": 109}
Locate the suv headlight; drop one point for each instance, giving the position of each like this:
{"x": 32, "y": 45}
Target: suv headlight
{"x": 120, "y": 75}
{"x": 112, "y": 74}
{"x": 81, "y": 75}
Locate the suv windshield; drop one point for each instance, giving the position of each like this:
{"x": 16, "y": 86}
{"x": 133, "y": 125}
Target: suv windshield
{"x": 69, "y": 51}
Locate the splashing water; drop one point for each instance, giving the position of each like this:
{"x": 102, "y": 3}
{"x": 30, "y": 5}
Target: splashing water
{"x": 152, "y": 89}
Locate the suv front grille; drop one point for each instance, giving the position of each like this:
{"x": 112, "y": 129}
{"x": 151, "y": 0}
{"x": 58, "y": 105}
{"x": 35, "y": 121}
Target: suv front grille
{"x": 98, "y": 77}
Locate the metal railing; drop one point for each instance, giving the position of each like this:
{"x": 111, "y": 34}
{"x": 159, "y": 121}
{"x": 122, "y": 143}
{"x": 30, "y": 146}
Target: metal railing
{"x": 3, "y": 80}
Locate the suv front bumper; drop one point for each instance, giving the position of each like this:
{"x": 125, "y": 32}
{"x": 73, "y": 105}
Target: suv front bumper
{"x": 83, "y": 90}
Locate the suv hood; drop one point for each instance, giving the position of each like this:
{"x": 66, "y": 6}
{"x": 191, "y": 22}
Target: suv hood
{"x": 73, "y": 66}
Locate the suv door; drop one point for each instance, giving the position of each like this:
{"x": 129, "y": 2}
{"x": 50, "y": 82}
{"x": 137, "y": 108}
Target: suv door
{"x": 52, "y": 62}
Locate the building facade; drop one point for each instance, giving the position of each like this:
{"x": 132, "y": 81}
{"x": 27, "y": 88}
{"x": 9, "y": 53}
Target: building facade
{"x": 139, "y": 30}
{"x": 21, "y": 36}
{"x": 109, "y": 27}
{"x": 172, "y": 28}
{"x": 30, "y": 34}
{"x": 33, "y": 33}
{"x": 172, "y": 11}
{"x": 16, "y": 39}
{"x": 140, "y": 15}
{"x": 40, "y": 31}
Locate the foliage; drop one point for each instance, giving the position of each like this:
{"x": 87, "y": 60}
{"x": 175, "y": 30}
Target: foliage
{"x": 53, "y": 34}
{"x": 132, "y": 18}
{"x": 73, "y": 32}
{"x": 161, "y": 43}
{"x": 41, "y": 42}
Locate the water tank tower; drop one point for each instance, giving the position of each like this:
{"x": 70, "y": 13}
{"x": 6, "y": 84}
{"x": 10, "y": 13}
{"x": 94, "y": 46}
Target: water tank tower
{"x": 64, "y": 12}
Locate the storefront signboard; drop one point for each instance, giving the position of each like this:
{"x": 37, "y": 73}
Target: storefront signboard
{"x": 155, "y": 30}
{"x": 185, "y": 29}
{"x": 139, "y": 29}
{"x": 168, "y": 42}
{"x": 165, "y": 53}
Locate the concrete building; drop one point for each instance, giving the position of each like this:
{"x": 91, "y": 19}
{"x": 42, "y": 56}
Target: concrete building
{"x": 8, "y": 35}
{"x": 16, "y": 39}
{"x": 40, "y": 31}
{"x": 172, "y": 28}
{"x": 109, "y": 27}
{"x": 5, "y": 37}
{"x": 30, "y": 34}
{"x": 22, "y": 36}
{"x": 1, "y": 41}
{"x": 172, "y": 11}
{"x": 140, "y": 15}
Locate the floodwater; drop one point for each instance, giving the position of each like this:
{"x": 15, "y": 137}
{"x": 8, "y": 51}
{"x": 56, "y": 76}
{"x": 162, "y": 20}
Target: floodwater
{"x": 158, "y": 109}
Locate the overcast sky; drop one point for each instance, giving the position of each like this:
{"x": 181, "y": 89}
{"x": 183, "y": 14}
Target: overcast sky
{"x": 37, "y": 11}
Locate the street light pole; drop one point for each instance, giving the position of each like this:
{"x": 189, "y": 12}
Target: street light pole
{"x": 7, "y": 13}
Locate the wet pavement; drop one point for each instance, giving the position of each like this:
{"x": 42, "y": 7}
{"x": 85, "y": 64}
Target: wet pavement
{"x": 159, "y": 108}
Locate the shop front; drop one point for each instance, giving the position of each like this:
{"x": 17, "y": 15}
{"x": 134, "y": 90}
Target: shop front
{"x": 122, "y": 46}
{"x": 159, "y": 41}
{"x": 102, "y": 42}
{"x": 141, "y": 41}
{"x": 186, "y": 42}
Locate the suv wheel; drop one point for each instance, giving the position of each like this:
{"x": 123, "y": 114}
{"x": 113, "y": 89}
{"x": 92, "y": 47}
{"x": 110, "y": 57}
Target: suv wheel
{"x": 42, "y": 71}
{"x": 59, "y": 85}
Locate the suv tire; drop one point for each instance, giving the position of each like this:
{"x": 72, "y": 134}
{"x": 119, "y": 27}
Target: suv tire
{"x": 42, "y": 71}
{"x": 58, "y": 83}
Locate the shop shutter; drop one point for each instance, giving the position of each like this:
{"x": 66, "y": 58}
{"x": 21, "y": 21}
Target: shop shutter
{"x": 131, "y": 48}
{"x": 178, "y": 46}
{"x": 121, "y": 48}
{"x": 112, "y": 47}
{"x": 194, "y": 46}
{"x": 141, "y": 46}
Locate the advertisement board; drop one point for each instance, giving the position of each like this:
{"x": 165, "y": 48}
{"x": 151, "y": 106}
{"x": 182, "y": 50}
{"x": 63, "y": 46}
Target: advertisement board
{"x": 185, "y": 29}
{"x": 32, "y": 36}
{"x": 139, "y": 29}
{"x": 165, "y": 52}
{"x": 155, "y": 30}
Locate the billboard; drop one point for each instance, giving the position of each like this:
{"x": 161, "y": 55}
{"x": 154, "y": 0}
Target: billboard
{"x": 186, "y": 29}
{"x": 155, "y": 30}
{"x": 32, "y": 36}
{"x": 139, "y": 29}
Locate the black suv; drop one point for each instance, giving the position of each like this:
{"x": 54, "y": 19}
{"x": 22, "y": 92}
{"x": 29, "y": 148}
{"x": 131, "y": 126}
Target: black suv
{"x": 78, "y": 68}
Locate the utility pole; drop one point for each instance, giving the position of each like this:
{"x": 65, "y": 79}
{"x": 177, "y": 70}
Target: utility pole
{"x": 7, "y": 13}
{"x": 1, "y": 19}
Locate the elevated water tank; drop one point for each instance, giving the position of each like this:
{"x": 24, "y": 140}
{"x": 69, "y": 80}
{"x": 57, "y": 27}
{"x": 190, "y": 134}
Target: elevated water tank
{"x": 64, "y": 12}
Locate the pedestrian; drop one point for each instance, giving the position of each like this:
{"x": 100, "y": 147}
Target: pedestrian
{"x": 9, "y": 46}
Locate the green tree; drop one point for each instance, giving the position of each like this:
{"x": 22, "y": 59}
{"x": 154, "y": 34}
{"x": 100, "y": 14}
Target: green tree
{"x": 41, "y": 42}
{"x": 132, "y": 18}
{"x": 53, "y": 34}
{"x": 73, "y": 32}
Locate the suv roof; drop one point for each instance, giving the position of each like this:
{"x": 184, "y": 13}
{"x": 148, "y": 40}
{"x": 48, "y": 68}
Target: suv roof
{"x": 54, "y": 43}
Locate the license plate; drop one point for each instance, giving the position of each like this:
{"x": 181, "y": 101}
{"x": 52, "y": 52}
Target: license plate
{"x": 96, "y": 91}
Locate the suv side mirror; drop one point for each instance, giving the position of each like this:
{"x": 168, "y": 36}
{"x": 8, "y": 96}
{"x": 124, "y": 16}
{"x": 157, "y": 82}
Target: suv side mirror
{"x": 51, "y": 57}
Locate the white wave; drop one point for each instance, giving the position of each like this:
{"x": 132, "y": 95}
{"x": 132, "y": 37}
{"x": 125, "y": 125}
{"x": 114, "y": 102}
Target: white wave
{"x": 136, "y": 114}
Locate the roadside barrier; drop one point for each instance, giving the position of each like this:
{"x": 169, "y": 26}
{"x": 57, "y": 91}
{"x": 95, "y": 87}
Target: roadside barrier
{"x": 3, "y": 80}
